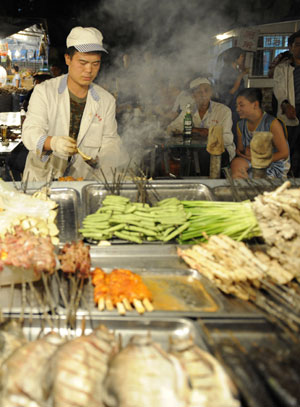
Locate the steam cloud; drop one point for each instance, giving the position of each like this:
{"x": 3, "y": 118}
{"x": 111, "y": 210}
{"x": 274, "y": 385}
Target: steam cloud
{"x": 168, "y": 42}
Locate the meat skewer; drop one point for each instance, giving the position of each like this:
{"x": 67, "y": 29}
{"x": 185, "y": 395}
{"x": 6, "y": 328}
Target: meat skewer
{"x": 121, "y": 289}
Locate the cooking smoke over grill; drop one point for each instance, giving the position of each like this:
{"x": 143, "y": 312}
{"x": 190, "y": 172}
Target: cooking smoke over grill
{"x": 167, "y": 42}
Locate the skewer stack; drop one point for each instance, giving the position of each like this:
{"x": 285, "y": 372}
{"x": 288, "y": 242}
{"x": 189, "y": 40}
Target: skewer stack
{"x": 122, "y": 289}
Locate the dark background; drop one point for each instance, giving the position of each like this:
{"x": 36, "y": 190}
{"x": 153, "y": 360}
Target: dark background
{"x": 141, "y": 17}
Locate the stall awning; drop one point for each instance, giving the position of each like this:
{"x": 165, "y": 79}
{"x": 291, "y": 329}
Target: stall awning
{"x": 12, "y": 25}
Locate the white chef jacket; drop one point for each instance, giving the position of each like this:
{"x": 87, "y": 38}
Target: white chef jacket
{"x": 283, "y": 89}
{"x": 216, "y": 114}
{"x": 49, "y": 115}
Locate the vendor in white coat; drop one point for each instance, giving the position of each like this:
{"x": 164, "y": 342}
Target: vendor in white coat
{"x": 71, "y": 111}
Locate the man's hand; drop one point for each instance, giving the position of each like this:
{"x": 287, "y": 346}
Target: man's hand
{"x": 63, "y": 145}
{"x": 200, "y": 131}
{"x": 289, "y": 111}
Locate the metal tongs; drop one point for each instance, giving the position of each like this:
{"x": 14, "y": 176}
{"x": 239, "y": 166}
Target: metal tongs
{"x": 92, "y": 162}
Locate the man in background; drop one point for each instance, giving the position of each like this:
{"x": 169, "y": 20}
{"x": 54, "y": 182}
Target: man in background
{"x": 287, "y": 92}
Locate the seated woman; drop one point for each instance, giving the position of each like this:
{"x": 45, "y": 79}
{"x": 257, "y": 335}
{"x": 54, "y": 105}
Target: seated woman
{"x": 254, "y": 119}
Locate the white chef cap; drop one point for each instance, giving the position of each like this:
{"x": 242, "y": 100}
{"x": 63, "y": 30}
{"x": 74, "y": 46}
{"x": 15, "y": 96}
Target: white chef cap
{"x": 199, "y": 81}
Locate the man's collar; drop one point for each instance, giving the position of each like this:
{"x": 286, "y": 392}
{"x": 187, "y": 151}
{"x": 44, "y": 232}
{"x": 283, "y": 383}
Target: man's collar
{"x": 208, "y": 110}
{"x": 63, "y": 85}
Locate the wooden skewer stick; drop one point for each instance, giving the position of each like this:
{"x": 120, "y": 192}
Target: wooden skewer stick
{"x": 127, "y": 305}
{"x": 109, "y": 305}
{"x": 138, "y": 306}
{"x": 147, "y": 304}
{"x": 121, "y": 308}
{"x": 101, "y": 304}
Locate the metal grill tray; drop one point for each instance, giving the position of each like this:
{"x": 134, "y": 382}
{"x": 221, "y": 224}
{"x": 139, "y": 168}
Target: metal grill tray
{"x": 176, "y": 293}
{"x": 68, "y": 216}
{"x": 247, "y": 332}
{"x": 242, "y": 190}
{"x": 94, "y": 194}
{"x": 160, "y": 329}
{"x": 29, "y": 298}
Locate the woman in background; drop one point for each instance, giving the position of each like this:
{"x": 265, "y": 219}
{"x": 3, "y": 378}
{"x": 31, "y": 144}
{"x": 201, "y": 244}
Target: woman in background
{"x": 231, "y": 80}
{"x": 253, "y": 118}
{"x": 16, "y": 81}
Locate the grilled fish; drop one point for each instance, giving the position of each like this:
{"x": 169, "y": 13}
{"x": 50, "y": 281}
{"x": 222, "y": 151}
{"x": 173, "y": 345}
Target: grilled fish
{"x": 79, "y": 368}
{"x": 211, "y": 387}
{"x": 143, "y": 374}
{"x": 24, "y": 372}
{"x": 11, "y": 338}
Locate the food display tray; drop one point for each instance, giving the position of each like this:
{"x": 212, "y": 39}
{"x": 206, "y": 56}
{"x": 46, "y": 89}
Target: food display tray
{"x": 68, "y": 216}
{"x": 255, "y": 354}
{"x": 242, "y": 190}
{"x": 94, "y": 194}
{"x": 246, "y": 332}
{"x": 160, "y": 329}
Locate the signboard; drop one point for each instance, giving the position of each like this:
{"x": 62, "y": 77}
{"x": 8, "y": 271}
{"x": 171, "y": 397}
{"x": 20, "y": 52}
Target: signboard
{"x": 247, "y": 39}
{"x": 3, "y": 49}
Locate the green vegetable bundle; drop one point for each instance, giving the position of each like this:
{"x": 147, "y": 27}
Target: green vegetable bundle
{"x": 234, "y": 219}
{"x": 136, "y": 222}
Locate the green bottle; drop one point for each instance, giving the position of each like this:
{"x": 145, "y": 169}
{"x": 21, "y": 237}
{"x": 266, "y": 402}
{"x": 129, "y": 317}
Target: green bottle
{"x": 187, "y": 125}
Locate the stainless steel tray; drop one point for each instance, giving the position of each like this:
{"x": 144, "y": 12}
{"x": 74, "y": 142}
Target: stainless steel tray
{"x": 242, "y": 190}
{"x": 255, "y": 354}
{"x": 247, "y": 332}
{"x": 160, "y": 257}
{"x": 160, "y": 328}
{"x": 94, "y": 194}
{"x": 68, "y": 216}
{"x": 176, "y": 293}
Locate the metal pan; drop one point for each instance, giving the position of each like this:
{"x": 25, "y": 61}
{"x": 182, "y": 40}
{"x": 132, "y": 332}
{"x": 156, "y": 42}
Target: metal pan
{"x": 94, "y": 194}
{"x": 68, "y": 216}
{"x": 176, "y": 293}
{"x": 160, "y": 329}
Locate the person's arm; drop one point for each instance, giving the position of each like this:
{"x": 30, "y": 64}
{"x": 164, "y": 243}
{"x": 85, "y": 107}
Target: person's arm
{"x": 111, "y": 154}
{"x": 201, "y": 131}
{"x": 36, "y": 126}
{"x": 281, "y": 92}
{"x": 237, "y": 82}
{"x": 279, "y": 142}
{"x": 176, "y": 126}
{"x": 241, "y": 150}
{"x": 17, "y": 83}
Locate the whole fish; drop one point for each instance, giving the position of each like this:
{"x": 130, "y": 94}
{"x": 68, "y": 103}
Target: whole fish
{"x": 24, "y": 372}
{"x": 78, "y": 369}
{"x": 144, "y": 375}
{"x": 211, "y": 386}
{"x": 11, "y": 338}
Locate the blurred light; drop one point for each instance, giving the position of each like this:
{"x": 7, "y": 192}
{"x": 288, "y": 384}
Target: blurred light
{"x": 222, "y": 37}
{"x": 17, "y": 53}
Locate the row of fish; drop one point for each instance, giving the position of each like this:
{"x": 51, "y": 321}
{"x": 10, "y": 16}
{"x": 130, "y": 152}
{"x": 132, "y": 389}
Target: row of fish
{"x": 94, "y": 371}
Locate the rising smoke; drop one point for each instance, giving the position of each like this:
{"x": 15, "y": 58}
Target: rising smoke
{"x": 168, "y": 42}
